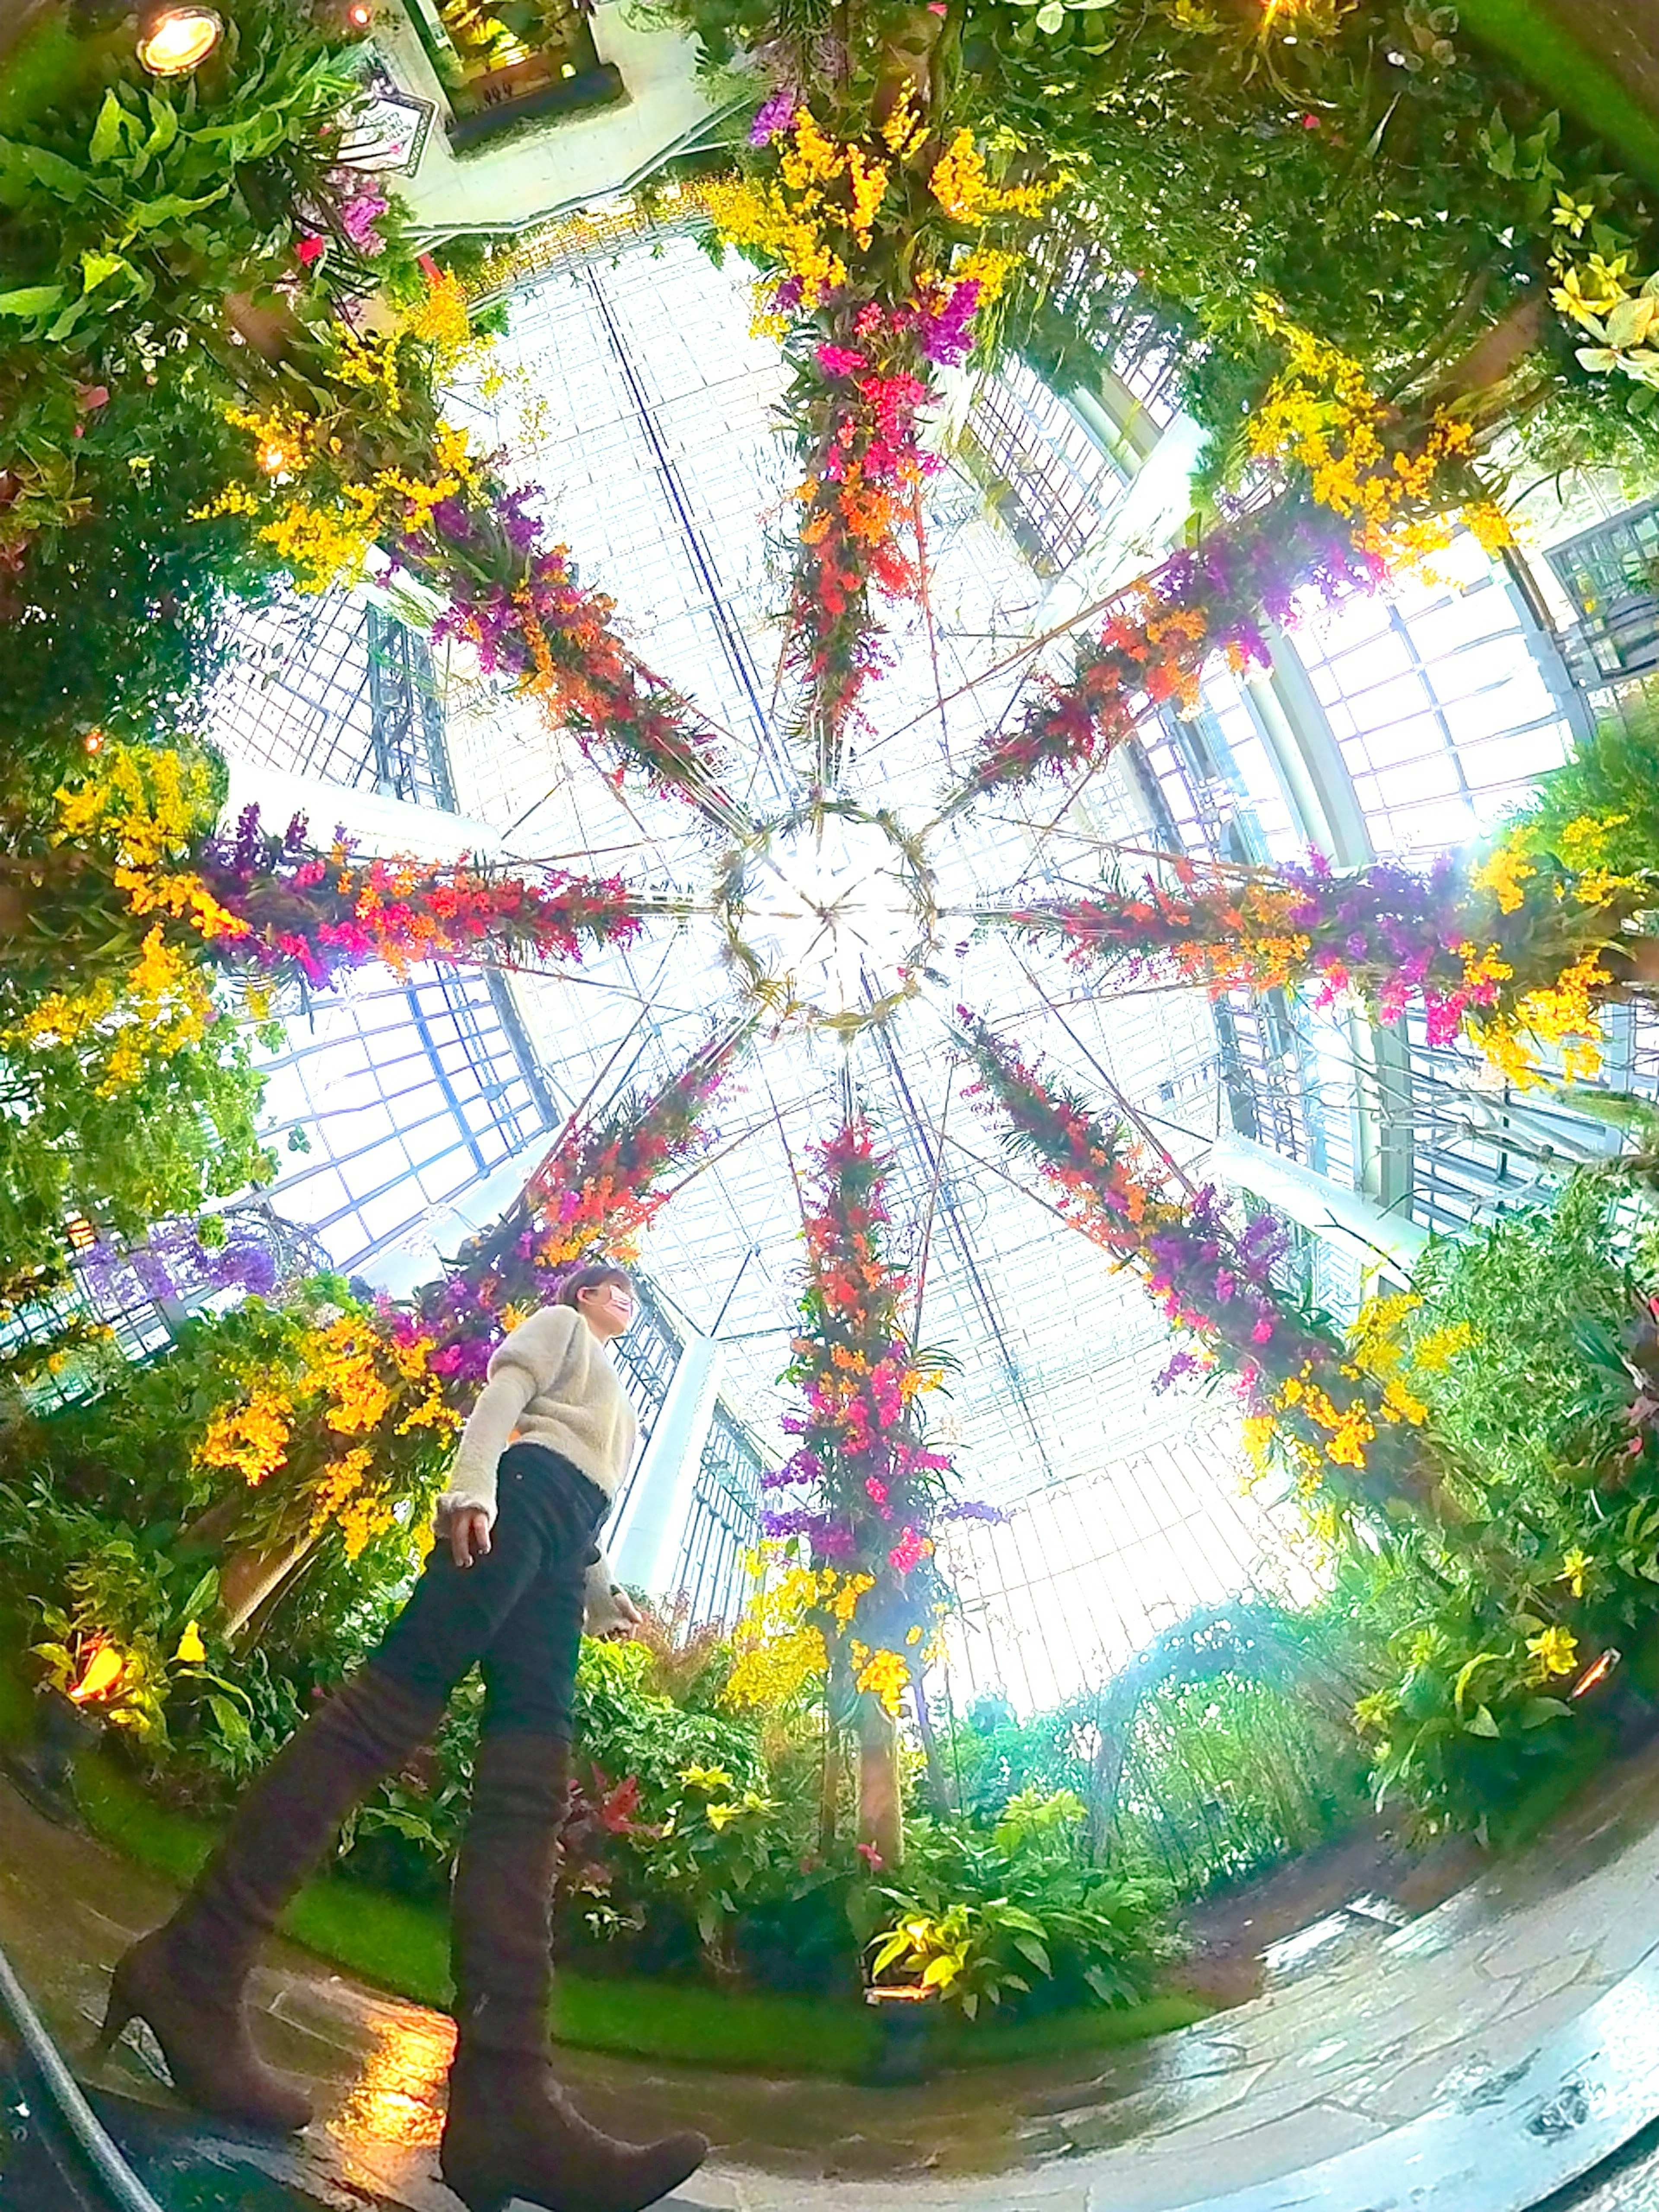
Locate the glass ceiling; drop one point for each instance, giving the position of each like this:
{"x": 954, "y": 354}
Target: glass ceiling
{"x": 631, "y": 392}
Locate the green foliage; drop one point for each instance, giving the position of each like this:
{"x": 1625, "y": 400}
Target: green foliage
{"x": 1220, "y": 1752}
{"x": 1597, "y": 808}
{"x": 1534, "y": 1351}
{"x": 1474, "y": 1717}
{"x": 1347, "y": 177}
{"x": 1229, "y": 1778}
{"x": 149, "y": 209}
{"x": 114, "y": 621}
{"x": 41, "y": 69}
{"x": 1022, "y": 1917}
{"x": 183, "y": 1133}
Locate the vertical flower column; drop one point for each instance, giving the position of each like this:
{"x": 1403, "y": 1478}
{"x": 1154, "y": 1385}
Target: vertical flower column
{"x": 1349, "y": 1437}
{"x": 865, "y": 1491}
{"x": 879, "y": 240}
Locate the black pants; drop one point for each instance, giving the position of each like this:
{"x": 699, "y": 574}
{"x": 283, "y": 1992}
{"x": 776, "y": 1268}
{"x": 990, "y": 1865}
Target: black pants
{"x": 517, "y": 1610}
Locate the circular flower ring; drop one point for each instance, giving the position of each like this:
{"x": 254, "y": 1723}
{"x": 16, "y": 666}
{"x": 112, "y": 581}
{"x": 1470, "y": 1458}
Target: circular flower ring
{"x": 831, "y": 915}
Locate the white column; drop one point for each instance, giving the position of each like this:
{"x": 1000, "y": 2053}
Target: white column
{"x": 645, "y": 1549}
{"x": 1347, "y": 1219}
{"x": 381, "y": 826}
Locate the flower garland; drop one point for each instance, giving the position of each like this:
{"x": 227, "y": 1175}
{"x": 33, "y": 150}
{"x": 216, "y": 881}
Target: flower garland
{"x": 1164, "y": 630}
{"x": 135, "y": 847}
{"x": 595, "y": 1193}
{"x": 1403, "y": 486}
{"x": 868, "y": 1493}
{"x": 1344, "y": 1431}
{"x": 356, "y": 1406}
{"x": 1507, "y": 949}
{"x": 370, "y": 463}
{"x": 347, "y": 1404}
{"x": 1366, "y": 494}
{"x": 879, "y": 260}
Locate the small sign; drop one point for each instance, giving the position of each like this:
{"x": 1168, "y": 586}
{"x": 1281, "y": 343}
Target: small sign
{"x": 389, "y": 126}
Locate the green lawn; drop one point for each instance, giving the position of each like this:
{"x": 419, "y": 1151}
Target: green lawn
{"x": 1533, "y": 36}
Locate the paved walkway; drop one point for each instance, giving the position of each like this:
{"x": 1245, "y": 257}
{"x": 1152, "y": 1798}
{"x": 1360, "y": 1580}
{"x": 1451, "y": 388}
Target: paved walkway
{"x": 1364, "y": 2025}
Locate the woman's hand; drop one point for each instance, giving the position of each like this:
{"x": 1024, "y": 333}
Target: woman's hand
{"x": 628, "y": 1618}
{"x": 467, "y": 1534}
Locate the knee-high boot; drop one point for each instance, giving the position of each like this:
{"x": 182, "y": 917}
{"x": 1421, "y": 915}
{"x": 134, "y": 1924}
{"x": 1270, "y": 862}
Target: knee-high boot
{"x": 187, "y": 1979}
{"x": 512, "y": 2131}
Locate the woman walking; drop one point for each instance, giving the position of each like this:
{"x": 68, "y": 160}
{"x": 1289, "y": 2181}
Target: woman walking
{"x": 515, "y": 1571}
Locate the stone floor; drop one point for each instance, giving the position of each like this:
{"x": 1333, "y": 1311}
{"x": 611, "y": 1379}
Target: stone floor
{"x": 1363, "y": 2026}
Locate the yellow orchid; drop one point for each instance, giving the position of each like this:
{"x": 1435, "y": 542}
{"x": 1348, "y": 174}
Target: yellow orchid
{"x": 1555, "y": 1651}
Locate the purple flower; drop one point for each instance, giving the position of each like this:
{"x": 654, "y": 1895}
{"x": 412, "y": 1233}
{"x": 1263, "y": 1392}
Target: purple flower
{"x": 776, "y": 116}
{"x": 522, "y": 530}
{"x": 1182, "y": 1363}
{"x": 945, "y": 337}
{"x": 358, "y": 218}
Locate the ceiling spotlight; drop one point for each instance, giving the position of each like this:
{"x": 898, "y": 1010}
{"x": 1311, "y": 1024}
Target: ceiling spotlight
{"x": 173, "y": 40}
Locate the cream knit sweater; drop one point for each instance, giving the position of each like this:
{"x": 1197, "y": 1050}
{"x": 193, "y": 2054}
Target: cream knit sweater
{"x": 551, "y": 1382}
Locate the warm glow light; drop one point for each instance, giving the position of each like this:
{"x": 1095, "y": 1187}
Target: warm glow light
{"x": 92, "y": 742}
{"x": 360, "y": 17}
{"x": 178, "y": 40}
{"x": 1598, "y": 1671}
{"x": 103, "y": 1671}
{"x": 397, "y": 2099}
{"x": 273, "y": 459}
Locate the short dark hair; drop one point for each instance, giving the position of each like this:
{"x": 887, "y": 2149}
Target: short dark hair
{"x": 589, "y": 1279}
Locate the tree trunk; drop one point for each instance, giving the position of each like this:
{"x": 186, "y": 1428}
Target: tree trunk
{"x": 251, "y": 1577}
{"x": 938, "y": 1782}
{"x": 1105, "y": 1773}
{"x": 830, "y": 1789}
{"x": 881, "y": 1815}
{"x": 1498, "y": 351}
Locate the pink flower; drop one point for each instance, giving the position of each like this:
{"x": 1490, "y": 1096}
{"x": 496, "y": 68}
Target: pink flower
{"x": 871, "y": 1857}
{"x": 907, "y": 1552}
{"x": 840, "y": 361}
{"x": 876, "y": 1488}
{"x": 309, "y": 250}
